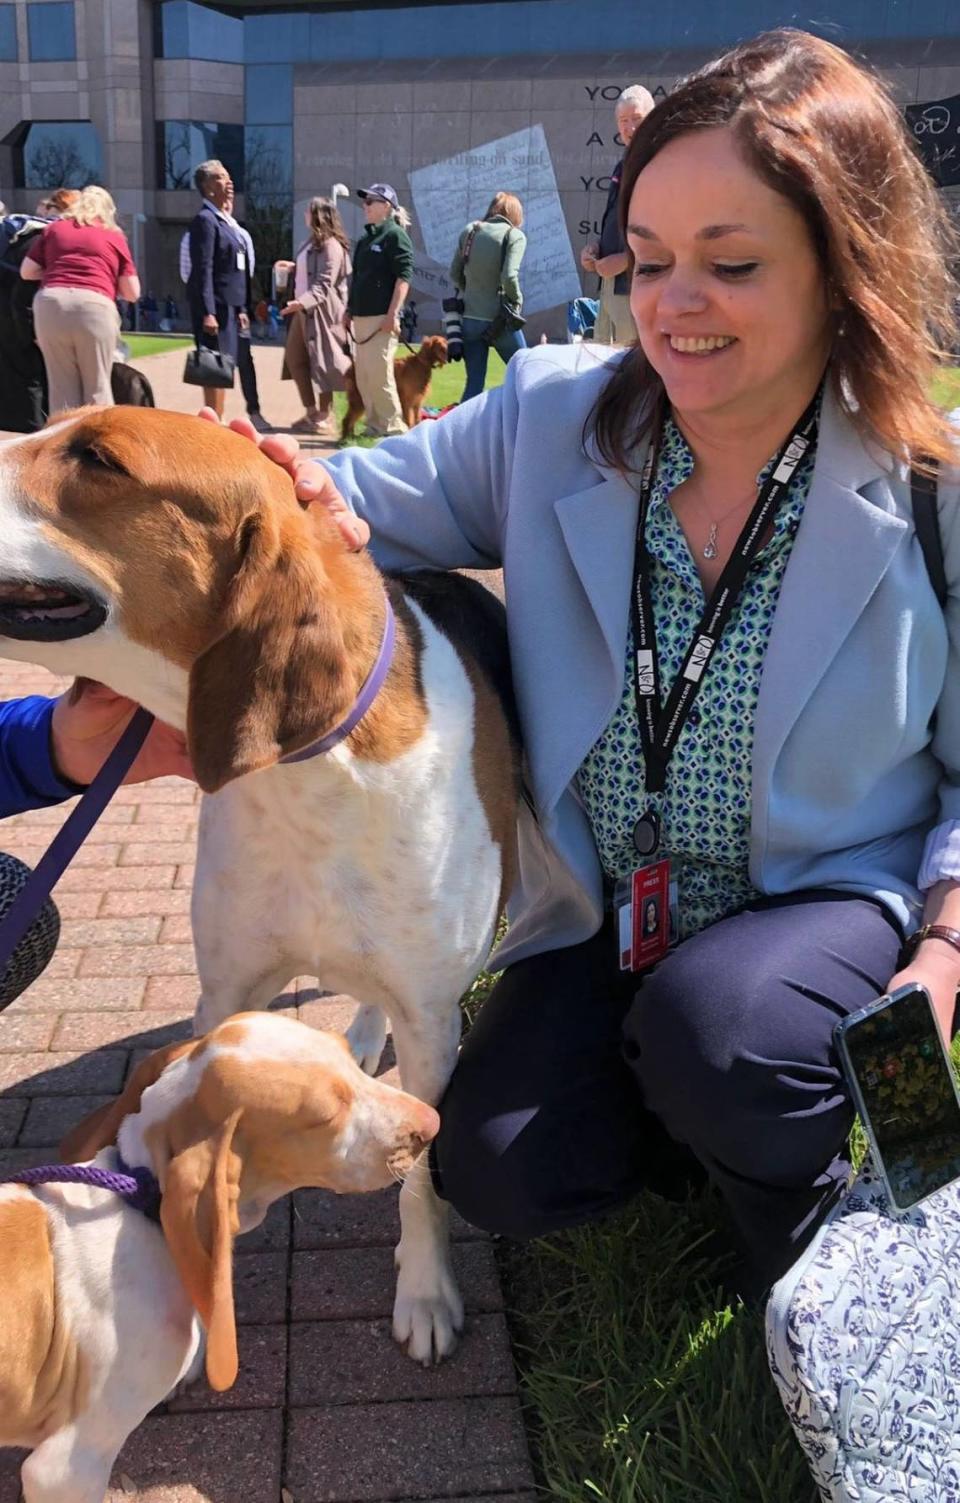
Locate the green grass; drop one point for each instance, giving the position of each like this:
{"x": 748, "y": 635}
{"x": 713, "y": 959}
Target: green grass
{"x": 640, "y": 1382}
{"x": 154, "y": 344}
{"x": 946, "y": 387}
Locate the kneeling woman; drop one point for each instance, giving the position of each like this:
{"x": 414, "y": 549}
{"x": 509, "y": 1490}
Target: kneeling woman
{"x": 796, "y": 756}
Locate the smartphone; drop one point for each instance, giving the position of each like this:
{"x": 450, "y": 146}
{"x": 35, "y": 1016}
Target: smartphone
{"x": 904, "y": 1087}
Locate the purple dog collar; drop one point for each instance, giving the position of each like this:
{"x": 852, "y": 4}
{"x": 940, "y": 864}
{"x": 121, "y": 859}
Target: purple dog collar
{"x": 138, "y": 1187}
{"x": 371, "y": 688}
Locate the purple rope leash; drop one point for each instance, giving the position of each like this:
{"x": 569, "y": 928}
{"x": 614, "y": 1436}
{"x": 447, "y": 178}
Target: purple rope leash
{"x": 138, "y": 1187}
{"x": 70, "y": 837}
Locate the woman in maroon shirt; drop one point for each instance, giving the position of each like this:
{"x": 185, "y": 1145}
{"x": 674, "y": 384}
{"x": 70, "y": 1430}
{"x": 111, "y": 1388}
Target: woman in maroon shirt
{"x": 84, "y": 264}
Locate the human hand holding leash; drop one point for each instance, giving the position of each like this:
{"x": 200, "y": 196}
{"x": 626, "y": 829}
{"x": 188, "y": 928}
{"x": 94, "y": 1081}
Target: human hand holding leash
{"x": 88, "y": 720}
{"x": 311, "y": 483}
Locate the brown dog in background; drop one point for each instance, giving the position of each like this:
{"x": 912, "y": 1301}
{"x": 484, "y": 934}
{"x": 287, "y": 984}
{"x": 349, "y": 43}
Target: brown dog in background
{"x": 413, "y": 382}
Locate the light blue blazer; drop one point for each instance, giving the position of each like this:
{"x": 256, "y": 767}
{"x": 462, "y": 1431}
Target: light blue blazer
{"x": 850, "y": 778}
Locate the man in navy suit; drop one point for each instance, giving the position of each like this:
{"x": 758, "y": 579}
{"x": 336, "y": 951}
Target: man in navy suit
{"x": 217, "y": 288}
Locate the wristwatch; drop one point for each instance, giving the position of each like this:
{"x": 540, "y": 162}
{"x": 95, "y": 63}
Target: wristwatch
{"x": 928, "y": 931}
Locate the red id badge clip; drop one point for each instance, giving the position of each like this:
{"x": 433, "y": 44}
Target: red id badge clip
{"x": 650, "y": 937}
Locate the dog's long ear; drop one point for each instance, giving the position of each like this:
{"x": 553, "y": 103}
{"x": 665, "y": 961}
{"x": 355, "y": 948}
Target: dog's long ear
{"x": 199, "y": 1218}
{"x": 100, "y": 1128}
{"x": 276, "y": 679}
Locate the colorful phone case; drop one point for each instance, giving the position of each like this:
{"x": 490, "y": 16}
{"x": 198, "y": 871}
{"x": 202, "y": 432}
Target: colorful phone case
{"x": 841, "y": 1031}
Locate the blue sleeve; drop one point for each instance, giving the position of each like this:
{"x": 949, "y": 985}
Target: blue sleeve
{"x": 436, "y": 497}
{"x": 28, "y": 778}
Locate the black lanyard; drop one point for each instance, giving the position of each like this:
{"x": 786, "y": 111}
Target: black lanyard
{"x": 660, "y": 727}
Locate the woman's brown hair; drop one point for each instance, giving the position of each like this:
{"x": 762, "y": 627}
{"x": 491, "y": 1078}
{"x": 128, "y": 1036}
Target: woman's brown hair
{"x": 507, "y": 204}
{"x": 325, "y": 223}
{"x": 823, "y": 132}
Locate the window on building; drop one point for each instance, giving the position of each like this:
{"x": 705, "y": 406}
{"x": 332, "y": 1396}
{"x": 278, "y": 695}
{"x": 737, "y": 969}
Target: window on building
{"x": 277, "y": 37}
{"x": 52, "y": 32}
{"x": 189, "y": 30}
{"x": 269, "y": 99}
{"x": 268, "y": 196}
{"x": 184, "y": 144}
{"x": 57, "y": 154}
{"x": 268, "y": 163}
{"x": 8, "y": 33}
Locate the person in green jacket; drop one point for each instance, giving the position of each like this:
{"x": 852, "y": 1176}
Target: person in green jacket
{"x": 382, "y": 268}
{"x": 486, "y": 267}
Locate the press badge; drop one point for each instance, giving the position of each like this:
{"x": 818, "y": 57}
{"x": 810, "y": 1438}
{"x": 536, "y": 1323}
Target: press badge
{"x": 644, "y": 906}
{"x": 241, "y": 260}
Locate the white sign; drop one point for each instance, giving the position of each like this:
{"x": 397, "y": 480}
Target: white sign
{"x": 429, "y": 278}
{"x": 448, "y": 194}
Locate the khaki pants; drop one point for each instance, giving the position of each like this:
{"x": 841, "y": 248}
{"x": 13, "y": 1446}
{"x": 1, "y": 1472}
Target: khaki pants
{"x": 615, "y": 324}
{"x": 373, "y": 364}
{"x": 77, "y": 333}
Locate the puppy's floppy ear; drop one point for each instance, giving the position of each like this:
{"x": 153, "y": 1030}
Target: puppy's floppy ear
{"x": 100, "y": 1128}
{"x": 276, "y": 679}
{"x": 198, "y": 1214}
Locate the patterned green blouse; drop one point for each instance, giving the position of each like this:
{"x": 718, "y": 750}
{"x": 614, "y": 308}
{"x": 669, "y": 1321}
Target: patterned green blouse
{"x": 705, "y": 807}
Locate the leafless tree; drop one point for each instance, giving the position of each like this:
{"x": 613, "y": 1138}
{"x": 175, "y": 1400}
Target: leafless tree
{"x": 177, "y": 171}
{"x": 59, "y": 163}
{"x": 269, "y": 202}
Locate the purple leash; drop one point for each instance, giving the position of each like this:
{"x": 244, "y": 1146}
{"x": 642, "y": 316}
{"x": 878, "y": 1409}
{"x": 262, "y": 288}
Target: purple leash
{"x": 138, "y": 1187}
{"x": 71, "y": 835}
{"x": 75, "y": 829}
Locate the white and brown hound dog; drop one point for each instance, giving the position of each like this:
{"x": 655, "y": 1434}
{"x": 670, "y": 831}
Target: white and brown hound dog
{"x": 170, "y": 560}
{"x": 106, "y": 1312}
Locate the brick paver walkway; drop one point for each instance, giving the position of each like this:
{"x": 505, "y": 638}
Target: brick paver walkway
{"x": 325, "y": 1406}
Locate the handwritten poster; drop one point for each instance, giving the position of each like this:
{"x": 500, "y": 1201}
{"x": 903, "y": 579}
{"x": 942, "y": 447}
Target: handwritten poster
{"x": 936, "y": 127}
{"x": 451, "y": 192}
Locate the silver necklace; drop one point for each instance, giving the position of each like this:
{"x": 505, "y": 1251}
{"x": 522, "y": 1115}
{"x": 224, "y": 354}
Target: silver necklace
{"x": 710, "y": 549}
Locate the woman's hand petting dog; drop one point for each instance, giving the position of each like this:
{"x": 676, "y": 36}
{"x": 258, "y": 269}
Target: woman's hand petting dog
{"x": 311, "y": 482}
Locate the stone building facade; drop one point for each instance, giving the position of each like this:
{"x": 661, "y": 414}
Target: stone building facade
{"x": 448, "y": 102}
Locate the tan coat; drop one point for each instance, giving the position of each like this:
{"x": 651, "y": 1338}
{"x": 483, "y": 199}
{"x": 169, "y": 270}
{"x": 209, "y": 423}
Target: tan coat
{"x": 325, "y": 305}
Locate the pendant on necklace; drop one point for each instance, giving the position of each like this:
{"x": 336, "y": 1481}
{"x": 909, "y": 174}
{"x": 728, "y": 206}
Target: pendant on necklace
{"x": 710, "y": 550}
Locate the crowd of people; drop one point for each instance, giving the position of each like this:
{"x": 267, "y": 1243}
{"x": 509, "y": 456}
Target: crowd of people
{"x": 63, "y": 270}
{"x": 68, "y": 286}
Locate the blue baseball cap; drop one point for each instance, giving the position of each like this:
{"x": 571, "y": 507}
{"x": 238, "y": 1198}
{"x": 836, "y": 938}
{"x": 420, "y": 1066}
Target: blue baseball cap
{"x": 382, "y": 191}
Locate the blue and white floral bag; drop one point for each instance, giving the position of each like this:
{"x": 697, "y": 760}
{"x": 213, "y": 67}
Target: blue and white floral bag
{"x": 863, "y": 1337}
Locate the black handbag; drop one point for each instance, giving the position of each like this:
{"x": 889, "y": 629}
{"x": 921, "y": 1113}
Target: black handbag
{"x": 209, "y": 367}
{"x": 507, "y": 318}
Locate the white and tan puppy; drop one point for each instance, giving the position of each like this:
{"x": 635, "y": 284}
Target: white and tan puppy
{"x": 169, "y": 559}
{"x": 104, "y": 1311}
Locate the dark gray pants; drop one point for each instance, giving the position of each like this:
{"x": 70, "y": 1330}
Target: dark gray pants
{"x": 246, "y": 371}
{"x": 577, "y": 1088}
